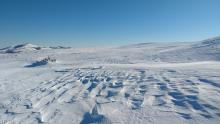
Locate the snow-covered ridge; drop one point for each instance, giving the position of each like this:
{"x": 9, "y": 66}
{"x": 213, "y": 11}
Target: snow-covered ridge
{"x": 21, "y": 48}
{"x": 206, "y": 50}
{"x": 27, "y": 47}
{"x": 212, "y": 41}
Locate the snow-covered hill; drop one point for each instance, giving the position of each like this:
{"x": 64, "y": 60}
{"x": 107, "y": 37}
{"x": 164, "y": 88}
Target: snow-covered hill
{"x": 21, "y": 48}
{"x": 153, "y": 83}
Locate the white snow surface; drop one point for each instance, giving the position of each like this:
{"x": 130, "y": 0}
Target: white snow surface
{"x": 149, "y": 83}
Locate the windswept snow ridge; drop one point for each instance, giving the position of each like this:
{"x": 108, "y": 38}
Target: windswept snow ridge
{"x": 143, "y": 83}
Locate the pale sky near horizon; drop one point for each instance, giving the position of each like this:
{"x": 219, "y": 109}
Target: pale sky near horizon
{"x": 107, "y": 22}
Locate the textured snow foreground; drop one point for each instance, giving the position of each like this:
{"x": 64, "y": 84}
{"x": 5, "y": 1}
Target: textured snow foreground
{"x": 136, "y": 84}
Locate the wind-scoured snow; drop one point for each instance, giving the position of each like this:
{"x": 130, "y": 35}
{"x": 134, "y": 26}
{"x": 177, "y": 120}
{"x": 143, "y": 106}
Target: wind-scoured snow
{"x": 153, "y": 83}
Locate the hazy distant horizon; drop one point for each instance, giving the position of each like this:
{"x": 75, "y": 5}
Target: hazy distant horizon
{"x": 50, "y": 44}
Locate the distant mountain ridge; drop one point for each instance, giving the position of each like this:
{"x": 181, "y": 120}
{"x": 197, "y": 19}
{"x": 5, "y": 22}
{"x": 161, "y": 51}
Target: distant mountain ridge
{"x": 205, "y": 50}
{"x": 27, "y": 47}
{"x": 21, "y": 48}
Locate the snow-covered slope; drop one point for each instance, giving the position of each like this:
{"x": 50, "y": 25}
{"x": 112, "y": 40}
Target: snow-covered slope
{"x": 153, "y": 83}
{"x": 202, "y": 51}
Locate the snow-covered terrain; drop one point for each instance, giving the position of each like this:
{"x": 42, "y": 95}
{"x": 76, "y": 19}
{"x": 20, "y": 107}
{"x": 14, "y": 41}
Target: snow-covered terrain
{"x": 148, "y": 83}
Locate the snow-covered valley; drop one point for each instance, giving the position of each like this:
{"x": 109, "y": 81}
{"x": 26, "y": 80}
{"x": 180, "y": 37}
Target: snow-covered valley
{"x": 153, "y": 83}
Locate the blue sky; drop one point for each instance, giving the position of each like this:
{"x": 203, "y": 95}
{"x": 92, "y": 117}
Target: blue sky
{"x": 83, "y": 23}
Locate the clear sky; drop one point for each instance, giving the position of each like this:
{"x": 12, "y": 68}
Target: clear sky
{"x": 107, "y": 22}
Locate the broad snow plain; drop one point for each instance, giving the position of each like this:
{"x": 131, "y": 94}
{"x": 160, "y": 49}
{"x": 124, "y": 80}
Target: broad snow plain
{"x": 150, "y": 83}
